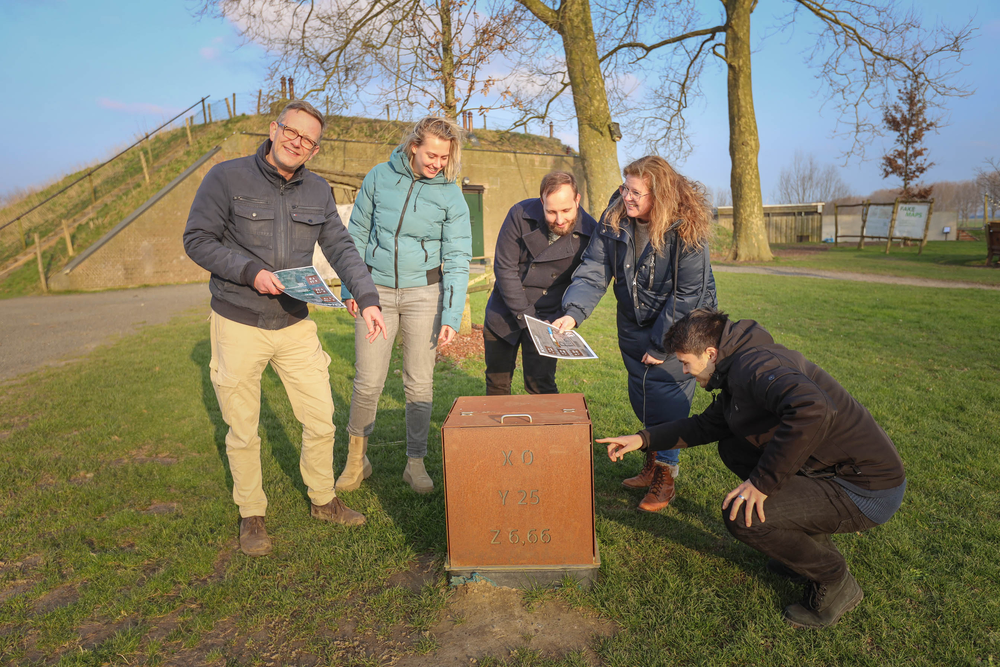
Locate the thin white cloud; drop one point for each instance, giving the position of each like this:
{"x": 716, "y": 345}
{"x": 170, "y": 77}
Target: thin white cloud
{"x": 136, "y": 107}
{"x": 209, "y": 52}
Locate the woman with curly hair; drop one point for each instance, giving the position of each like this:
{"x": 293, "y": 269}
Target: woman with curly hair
{"x": 653, "y": 240}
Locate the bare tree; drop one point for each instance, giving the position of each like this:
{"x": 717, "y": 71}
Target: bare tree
{"x": 806, "y": 180}
{"x": 721, "y": 197}
{"x": 601, "y": 51}
{"x": 401, "y": 53}
{"x": 988, "y": 180}
{"x": 963, "y": 197}
{"x": 862, "y": 49}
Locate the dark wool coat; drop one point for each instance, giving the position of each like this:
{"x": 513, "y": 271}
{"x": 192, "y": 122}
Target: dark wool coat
{"x": 788, "y": 415}
{"x": 532, "y": 275}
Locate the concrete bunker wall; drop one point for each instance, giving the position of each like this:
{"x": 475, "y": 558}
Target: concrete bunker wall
{"x": 146, "y": 248}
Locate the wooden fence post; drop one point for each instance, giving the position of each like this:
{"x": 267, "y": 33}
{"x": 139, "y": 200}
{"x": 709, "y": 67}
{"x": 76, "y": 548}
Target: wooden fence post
{"x": 20, "y": 233}
{"x": 204, "y": 114}
{"x": 145, "y": 170}
{"x": 69, "y": 239}
{"x": 864, "y": 223}
{"x": 41, "y": 267}
{"x": 229, "y": 109}
{"x": 259, "y": 93}
{"x": 836, "y": 226}
{"x": 927, "y": 227}
{"x": 209, "y": 113}
{"x": 234, "y": 105}
{"x": 187, "y": 128}
{"x": 892, "y": 225}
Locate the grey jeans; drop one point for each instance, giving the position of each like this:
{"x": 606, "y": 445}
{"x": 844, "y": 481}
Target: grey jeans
{"x": 415, "y": 312}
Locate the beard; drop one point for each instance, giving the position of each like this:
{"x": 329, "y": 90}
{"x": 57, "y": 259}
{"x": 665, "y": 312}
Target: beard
{"x": 568, "y": 228}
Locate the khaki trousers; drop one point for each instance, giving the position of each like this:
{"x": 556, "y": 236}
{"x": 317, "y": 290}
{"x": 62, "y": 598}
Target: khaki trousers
{"x": 240, "y": 353}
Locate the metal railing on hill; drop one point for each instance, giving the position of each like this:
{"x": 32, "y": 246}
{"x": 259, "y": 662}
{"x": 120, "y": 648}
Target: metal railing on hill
{"x": 73, "y": 203}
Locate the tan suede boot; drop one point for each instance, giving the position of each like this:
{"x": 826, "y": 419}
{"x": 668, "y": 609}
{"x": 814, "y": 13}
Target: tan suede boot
{"x": 358, "y": 466}
{"x": 416, "y": 476}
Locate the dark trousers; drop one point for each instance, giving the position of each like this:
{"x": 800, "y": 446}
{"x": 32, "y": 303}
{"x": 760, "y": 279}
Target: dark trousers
{"x": 799, "y": 517}
{"x": 501, "y": 358}
{"x": 656, "y": 396}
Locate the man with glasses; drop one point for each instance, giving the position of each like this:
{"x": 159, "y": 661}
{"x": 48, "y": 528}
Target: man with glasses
{"x": 253, "y": 216}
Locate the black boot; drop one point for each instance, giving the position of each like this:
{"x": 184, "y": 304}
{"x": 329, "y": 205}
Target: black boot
{"x": 824, "y": 604}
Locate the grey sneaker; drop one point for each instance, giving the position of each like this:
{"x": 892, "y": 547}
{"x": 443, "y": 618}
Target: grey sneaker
{"x": 824, "y": 604}
{"x": 253, "y": 538}
{"x": 336, "y": 511}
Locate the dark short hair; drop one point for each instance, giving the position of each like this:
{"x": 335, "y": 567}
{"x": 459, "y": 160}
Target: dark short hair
{"x": 554, "y": 180}
{"x": 305, "y": 107}
{"x": 696, "y": 332}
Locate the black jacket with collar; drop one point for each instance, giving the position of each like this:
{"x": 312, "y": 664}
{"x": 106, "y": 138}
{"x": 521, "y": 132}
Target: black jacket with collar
{"x": 531, "y": 274}
{"x": 788, "y": 414}
{"x": 246, "y": 217}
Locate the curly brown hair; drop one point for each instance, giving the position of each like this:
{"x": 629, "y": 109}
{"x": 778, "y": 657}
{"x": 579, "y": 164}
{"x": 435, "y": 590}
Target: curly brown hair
{"x": 675, "y": 200}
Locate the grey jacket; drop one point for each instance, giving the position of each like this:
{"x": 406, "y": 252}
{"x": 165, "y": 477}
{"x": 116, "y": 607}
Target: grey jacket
{"x": 246, "y": 217}
{"x": 531, "y": 274}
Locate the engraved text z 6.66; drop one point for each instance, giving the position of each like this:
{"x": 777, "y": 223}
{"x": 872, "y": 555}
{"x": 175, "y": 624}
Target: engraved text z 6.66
{"x": 533, "y": 536}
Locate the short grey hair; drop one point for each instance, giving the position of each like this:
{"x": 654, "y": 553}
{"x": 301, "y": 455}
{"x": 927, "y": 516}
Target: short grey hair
{"x": 302, "y": 105}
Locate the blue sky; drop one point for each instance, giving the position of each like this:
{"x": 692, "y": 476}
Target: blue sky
{"x": 101, "y": 72}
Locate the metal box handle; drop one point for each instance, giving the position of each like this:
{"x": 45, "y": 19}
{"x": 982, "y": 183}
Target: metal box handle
{"x": 502, "y": 417}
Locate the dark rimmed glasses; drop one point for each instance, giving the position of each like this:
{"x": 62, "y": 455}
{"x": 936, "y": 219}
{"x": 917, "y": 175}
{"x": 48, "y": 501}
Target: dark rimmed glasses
{"x": 292, "y": 134}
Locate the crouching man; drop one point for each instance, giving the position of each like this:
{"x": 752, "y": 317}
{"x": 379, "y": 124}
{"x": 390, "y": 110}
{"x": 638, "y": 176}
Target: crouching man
{"x": 813, "y": 460}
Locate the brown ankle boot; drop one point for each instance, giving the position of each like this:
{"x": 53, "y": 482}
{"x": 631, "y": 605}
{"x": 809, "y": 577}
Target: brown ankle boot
{"x": 645, "y": 476}
{"x": 661, "y": 489}
{"x": 253, "y": 538}
{"x": 336, "y": 511}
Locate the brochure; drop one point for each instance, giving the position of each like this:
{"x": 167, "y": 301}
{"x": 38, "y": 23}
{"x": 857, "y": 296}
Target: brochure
{"x": 305, "y": 284}
{"x": 550, "y": 343}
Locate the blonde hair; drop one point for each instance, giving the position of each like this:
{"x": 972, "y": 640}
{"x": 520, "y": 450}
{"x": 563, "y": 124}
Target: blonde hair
{"x": 675, "y": 199}
{"x": 441, "y": 128}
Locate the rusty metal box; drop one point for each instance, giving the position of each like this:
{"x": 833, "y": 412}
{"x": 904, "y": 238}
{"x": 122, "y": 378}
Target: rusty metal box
{"x": 519, "y": 489}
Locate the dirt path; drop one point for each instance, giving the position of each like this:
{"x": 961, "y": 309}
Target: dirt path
{"x": 845, "y": 275}
{"x": 36, "y": 331}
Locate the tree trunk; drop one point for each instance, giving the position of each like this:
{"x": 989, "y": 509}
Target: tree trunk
{"x": 448, "y": 62}
{"x": 598, "y": 150}
{"x": 749, "y": 233}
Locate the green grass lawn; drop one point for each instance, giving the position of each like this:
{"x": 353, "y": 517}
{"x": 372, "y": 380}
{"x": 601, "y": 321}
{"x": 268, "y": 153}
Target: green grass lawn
{"x": 118, "y": 532}
{"x": 940, "y": 260}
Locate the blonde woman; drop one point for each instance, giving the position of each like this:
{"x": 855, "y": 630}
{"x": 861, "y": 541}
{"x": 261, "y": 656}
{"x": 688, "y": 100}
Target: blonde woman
{"x": 653, "y": 240}
{"x": 411, "y": 225}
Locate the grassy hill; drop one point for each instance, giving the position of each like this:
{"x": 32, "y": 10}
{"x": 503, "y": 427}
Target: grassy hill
{"x": 96, "y": 204}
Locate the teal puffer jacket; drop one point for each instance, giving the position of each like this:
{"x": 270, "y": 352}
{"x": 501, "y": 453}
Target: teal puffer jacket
{"x": 414, "y": 232}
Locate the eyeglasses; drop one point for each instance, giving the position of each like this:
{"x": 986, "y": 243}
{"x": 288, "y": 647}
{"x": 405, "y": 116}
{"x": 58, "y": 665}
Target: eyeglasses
{"x": 293, "y": 134}
{"x": 632, "y": 194}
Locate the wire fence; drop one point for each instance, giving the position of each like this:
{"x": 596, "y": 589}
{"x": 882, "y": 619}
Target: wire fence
{"x": 74, "y": 200}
